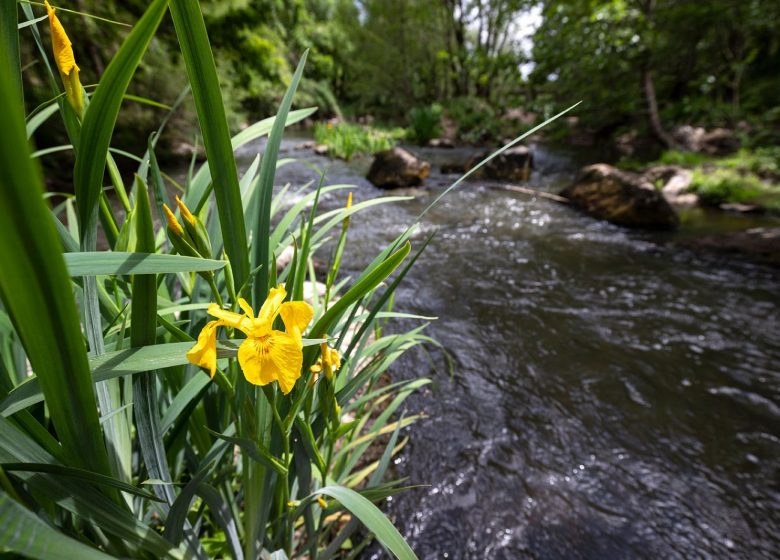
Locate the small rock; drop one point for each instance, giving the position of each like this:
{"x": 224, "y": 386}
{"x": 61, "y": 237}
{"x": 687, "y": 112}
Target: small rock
{"x": 321, "y": 149}
{"x": 441, "y": 143}
{"x": 397, "y": 168}
{"x": 623, "y": 198}
{"x": 308, "y": 145}
{"x": 512, "y": 165}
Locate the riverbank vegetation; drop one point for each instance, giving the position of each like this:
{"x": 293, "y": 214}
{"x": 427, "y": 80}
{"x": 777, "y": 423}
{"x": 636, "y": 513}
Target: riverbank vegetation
{"x": 748, "y": 177}
{"x": 168, "y": 388}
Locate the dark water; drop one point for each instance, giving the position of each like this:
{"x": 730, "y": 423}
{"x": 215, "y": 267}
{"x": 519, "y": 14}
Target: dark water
{"x": 614, "y": 395}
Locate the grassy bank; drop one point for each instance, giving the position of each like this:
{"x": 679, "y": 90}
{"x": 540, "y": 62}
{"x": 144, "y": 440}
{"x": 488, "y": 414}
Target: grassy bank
{"x": 749, "y": 176}
{"x": 347, "y": 140}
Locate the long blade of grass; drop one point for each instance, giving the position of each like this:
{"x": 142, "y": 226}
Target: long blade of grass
{"x": 261, "y": 203}
{"x": 491, "y": 156}
{"x": 143, "y": 332}
{"x": 359, "y": 289}
{"x": 202, "y": 72}
{"x": 100, "y": 263}
{"x": 9, "y": 36}
{"x": 40, "y": 118}
{"x": 35, "y": 289}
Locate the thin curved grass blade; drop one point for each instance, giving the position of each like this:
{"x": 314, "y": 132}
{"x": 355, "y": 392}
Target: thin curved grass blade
{"x": 372, "y": 518}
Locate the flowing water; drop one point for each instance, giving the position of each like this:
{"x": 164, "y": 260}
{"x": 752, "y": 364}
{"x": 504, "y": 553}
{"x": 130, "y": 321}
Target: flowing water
{"x": 614, "y": 395}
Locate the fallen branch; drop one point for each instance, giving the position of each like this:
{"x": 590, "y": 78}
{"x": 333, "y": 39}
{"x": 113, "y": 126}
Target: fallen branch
{"x": 533, "y": 192}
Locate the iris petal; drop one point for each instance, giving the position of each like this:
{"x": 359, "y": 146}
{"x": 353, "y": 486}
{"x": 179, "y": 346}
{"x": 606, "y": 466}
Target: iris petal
{"x": 274, "y": 357}
{"x": 204, "y": 353}
{"x": 271, "y": 305}
{"x": 296, "y": 316}
{"x": 230, "y": 319}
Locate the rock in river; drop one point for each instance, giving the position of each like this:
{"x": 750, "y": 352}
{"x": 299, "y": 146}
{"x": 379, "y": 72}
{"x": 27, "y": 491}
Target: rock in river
{"x": 674, "y": 182}
{"x": 761, "y": 244}
{"x": 397, "y": 168}
{"x": 620, "y": 197}
{"x": 512, "y": 165}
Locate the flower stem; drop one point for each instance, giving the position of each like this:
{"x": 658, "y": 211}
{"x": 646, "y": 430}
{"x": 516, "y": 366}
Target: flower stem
{"x": 214, "y": 289}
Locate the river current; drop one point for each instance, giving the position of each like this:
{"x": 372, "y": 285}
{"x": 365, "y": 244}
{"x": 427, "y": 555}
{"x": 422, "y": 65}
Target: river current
{"x": 614, "y": 395}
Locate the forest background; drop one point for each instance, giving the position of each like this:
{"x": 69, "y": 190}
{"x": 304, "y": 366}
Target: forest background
{"x": 477, "y": 71}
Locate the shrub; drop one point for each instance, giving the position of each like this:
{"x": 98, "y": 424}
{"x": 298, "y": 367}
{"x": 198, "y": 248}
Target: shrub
{"x": 425, "y": 123}
{"x": 726, "y": 185}
{"x": 475, "y": 118}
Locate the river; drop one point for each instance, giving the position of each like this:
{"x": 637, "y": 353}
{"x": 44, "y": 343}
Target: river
{"x": 614, "y": 395}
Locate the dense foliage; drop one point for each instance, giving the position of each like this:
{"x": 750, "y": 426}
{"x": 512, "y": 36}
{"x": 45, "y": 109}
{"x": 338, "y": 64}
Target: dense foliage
{"x": 708, "y": 63}
{"x": 491, "y": 65}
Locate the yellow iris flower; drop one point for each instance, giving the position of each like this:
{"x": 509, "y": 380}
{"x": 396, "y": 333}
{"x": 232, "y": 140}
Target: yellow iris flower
{"x": 66, "y": 62}
{"x": 266, "y": 355}
{"x": 329, "y": 361}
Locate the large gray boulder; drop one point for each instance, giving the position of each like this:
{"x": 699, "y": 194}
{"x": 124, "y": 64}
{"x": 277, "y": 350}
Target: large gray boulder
{"x": 512, "y": 165}
{"x": 623, "y": 198}
{"x": 397, "y": 168}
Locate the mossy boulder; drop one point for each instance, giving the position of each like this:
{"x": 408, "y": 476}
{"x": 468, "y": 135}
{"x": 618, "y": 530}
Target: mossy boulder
{"x": 512, "y": 165}
{"x": 397, "y": 168}
{"x": 620, "y": 197}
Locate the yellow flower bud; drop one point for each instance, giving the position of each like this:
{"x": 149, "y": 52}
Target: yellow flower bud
{"x": 185, "y": 212}
{"x": 349, "y": 201}
{"x": 66, "y": 62}
{"x": 173, "y": 223}
{"x": 322, "y": 502}
{"x": 329, "y": 361}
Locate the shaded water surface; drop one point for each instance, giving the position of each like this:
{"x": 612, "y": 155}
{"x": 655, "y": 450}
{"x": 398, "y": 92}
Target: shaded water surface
{"x": 614, "y": 395}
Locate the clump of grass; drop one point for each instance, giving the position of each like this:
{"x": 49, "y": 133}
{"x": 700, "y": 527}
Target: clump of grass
{"x": 730, "y": 186}
{"x": 764, "y": 162}
{"x": 347, "y": 140}
{"x": 685, "y": 159}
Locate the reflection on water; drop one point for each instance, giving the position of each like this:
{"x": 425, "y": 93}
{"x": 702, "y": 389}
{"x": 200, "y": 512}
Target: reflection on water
{"x": 614, "y": 396}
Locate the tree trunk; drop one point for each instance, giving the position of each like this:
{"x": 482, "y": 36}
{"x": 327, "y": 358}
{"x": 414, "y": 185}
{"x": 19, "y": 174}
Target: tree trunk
{"x": 652, "y": 106}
